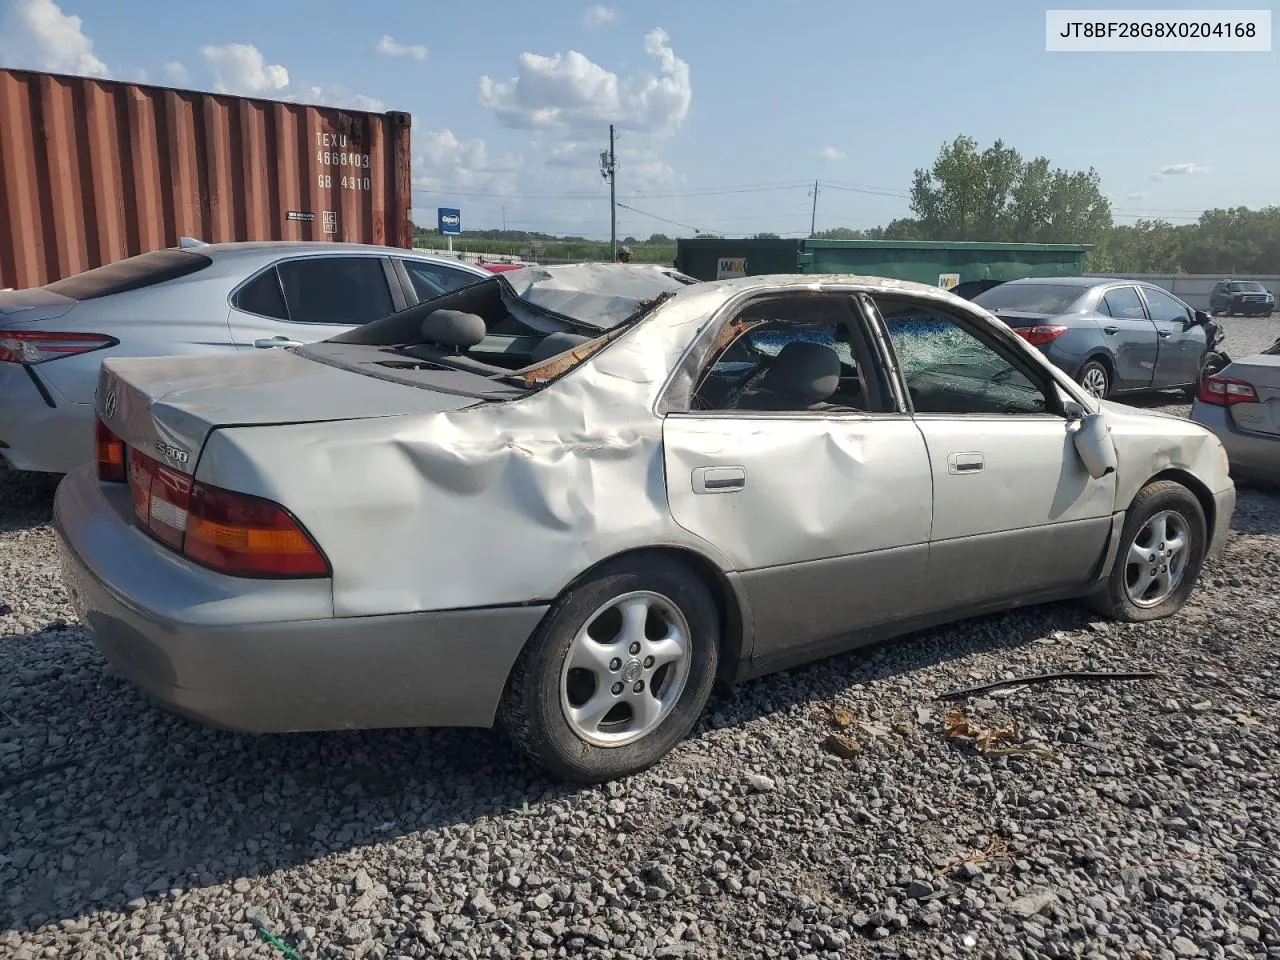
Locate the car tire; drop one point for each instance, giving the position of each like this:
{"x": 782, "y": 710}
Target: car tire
{"x": 1096, "y": 379}
{"x": 1161, "y": 506}
{"x": 541, "y": 704}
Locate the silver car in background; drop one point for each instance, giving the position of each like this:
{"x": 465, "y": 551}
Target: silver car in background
{"x": 1241, "y": 404}
{"x": 565, "y": 500}
{"x": 198, "y": 299}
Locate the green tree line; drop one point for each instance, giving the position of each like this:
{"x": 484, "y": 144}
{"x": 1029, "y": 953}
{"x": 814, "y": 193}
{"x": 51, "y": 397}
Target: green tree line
{"x": 996, "y": 195}
{"x": 658, "y": 248}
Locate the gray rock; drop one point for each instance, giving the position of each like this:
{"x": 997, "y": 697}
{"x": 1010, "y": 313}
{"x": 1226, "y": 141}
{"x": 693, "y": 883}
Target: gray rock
{"x": 919, "y": 889}
{"x": 1033, "y": 903}
{"x": 760, "y": 783}
{"x": 357, "y": 932}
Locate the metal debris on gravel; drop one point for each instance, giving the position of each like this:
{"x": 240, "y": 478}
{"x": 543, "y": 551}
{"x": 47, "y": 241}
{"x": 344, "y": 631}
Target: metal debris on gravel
{"x": 1151, "y": 828}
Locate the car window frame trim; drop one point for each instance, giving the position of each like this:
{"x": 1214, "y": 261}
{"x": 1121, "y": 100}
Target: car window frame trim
{"x": 694, "y": 354}
{"x": 1132, "y": 285}
{"x": 1142, "y": 291}
{"x": 235, "y": 291}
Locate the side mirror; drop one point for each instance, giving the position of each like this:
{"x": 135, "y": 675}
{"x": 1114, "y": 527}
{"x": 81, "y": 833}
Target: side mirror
{"x": 1201, "y": 318}
{"x": 1093, "y": 444}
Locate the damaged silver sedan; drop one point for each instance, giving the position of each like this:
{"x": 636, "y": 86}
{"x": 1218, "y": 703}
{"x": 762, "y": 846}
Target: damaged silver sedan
{"x": 567, "y": 500}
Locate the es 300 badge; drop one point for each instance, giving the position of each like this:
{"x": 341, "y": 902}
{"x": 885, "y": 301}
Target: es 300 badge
{"x": 170, "y": 452}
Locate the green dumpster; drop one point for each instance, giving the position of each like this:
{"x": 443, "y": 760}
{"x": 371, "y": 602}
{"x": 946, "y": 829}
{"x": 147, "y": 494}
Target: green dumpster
{"x": 935, "y": 262}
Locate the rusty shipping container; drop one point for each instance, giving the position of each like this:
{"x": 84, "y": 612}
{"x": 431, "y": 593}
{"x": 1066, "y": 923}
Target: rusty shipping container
{"x": 93, "y": 171}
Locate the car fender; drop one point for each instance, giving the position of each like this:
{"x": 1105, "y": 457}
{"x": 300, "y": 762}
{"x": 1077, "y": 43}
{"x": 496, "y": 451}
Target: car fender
{"x": 1150, "y": 445}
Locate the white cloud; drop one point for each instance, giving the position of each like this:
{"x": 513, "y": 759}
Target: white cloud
{"x": 37, "y": 34}
{"x": 570, "y": 153}
{"x": 388, "y": 46}
{"x": 599, "y": 15}
{"x": 831, "y": 153}
{"x": 569, "y": 91}
{"x": 1137, "y": 195}
{"x": 241, "y": 68}
{"x": 445, "y": 162}
{"x": 175, "y": 72}
{"x": 1179, "y": 170}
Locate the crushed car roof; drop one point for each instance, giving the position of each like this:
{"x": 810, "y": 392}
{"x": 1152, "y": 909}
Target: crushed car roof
{"x": 599, "y": 295}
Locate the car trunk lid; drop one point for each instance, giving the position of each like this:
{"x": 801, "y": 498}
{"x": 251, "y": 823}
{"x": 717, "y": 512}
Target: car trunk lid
{"x": 30, "y": 306}
{"x": 1262, "y": 372}
{"x": 165, "y": 407}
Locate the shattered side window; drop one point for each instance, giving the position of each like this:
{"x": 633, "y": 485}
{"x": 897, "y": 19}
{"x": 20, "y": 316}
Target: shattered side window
{"x": 946, "y": 369}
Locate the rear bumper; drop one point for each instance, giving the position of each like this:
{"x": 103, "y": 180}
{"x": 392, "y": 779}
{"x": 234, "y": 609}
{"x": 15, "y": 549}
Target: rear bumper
{"x": 1252, "y": 455}
{"x": 37, "y": 436}
{"x": 268, "y": 656}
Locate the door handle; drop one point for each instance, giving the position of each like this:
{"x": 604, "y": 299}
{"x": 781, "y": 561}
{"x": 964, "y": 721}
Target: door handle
{"x": 266, "y": 343}
{"x": 719, "y": 479}
{"x": 1112, "y": 330}
{"x": 960, "y": 463}
{"x": 1165, "y": 333}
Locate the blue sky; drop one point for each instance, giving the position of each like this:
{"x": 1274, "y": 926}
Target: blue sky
{"x": 725, "y": 109}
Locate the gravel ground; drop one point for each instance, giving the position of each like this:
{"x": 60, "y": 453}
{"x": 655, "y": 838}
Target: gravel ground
{"x": 1136, "y": 819}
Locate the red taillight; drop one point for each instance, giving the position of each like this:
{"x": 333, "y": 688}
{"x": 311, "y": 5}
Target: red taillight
{"x": 160, "y": 498}
{"x": 1226, "y": 391}
{"x": 31, "y": 347}
{"x": 1040, "y": 333}
{"x": 226, "y": 531}
{"x": 110, "y": 454}
{"x": 248, "y": 536}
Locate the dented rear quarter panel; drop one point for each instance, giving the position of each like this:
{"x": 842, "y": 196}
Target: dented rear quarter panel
{"x": 499, "y": 503}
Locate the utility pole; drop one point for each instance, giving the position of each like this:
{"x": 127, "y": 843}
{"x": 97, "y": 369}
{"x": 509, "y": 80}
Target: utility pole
{"x": 504, "y": 219}
{"x": 813, "y": 218}
{"x": 608, "y": 170}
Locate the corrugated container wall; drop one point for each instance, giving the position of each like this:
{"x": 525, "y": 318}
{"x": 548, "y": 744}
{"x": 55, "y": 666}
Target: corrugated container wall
{"x": 93, "y": 171}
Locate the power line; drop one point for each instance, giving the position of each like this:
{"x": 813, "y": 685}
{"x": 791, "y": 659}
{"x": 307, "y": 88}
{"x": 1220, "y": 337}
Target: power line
{"x": 656, "y": 217}
{"x": 638, "y": 195}
{"x": 897, "y": 195}
{"x": 721, "y": 191}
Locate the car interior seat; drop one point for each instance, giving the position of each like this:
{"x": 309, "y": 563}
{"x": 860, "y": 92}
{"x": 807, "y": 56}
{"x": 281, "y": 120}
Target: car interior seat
{"x": 446, "y": 334}
{"x": 803, "y": 376}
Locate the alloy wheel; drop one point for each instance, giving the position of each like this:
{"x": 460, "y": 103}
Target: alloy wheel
{"x": 625, "y": 669}
{"x": 1157, "y": 559}
{"x": 1095, "y": 382}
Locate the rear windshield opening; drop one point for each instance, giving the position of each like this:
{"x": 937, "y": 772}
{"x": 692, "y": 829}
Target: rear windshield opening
{"x": 518, "y": 338}
{"x": 1048, "y": 298}
{"x": 144, "y": 270}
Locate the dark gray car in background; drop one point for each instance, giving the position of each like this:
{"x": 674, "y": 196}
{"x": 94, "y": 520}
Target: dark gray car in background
{"x": 1111, "y": 336}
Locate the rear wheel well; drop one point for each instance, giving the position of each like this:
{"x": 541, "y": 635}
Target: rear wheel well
{"x": 1197, "y": 488}
{"x": 1102, "y": 358}
{"x": 717, "y": 584}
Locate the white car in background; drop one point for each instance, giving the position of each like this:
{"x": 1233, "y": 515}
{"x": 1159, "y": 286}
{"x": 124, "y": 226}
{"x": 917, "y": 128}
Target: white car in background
{"x": 195, "y": 299}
